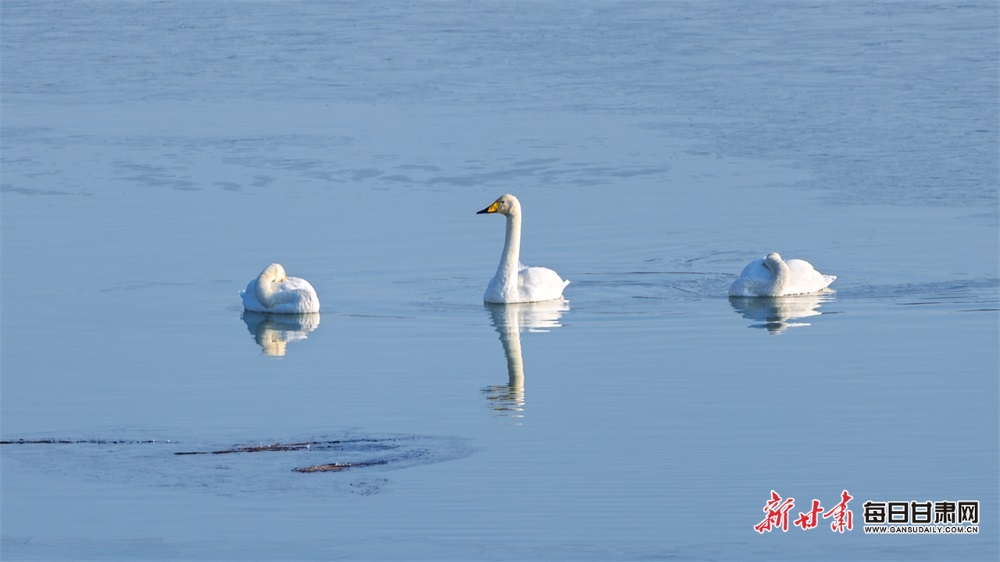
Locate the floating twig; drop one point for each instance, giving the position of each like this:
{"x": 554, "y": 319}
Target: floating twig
{"x": 337, "y": 466}
{"x": 260, "y": 448}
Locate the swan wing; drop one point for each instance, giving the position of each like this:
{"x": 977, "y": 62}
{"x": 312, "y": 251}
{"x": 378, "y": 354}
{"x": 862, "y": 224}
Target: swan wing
{"x": 539, "y": 284}
{"x": 295, "y": 295}
{"x": 805, "y": 279}
{"x": 756, "y": 280}
{"x": 249, "y": 296}
{"x": 295, "y": 285}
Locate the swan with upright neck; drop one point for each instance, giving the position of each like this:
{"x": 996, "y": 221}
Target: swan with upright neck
{"x": 772, "y": 276}
{"x": 274, "y": 291}
{"x": 513, "y": 281}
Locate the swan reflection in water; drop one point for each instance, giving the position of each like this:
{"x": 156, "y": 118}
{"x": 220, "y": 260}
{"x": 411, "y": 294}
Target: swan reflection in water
{"x": 510, "y": 320}
{"x": 273, "y": 331}
{"x": 777, "y": 314}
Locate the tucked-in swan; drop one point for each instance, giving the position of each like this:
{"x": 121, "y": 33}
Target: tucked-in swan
{"x": 273, "y": 291}
{"x": 771, "y": 276}
{"x": 515, "y": 282}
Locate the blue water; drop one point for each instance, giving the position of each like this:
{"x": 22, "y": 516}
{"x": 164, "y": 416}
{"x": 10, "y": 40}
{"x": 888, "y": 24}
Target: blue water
{"x": 156, "y": 156}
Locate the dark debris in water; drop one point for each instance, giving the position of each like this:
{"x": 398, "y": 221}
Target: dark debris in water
{"x": 337, "y": 467}
{"x": 303, "y": 446}
{"x": 80, "y": 442}
{"x": 366, "y": 444}
{"x": 375, "y": 447}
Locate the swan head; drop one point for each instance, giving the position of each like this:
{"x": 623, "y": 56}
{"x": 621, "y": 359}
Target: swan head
{"x": 506, "y": 205}
{"x": 773, "y": 262}
{"x": 274, "y": 273}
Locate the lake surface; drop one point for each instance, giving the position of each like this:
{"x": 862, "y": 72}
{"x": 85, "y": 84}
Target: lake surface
{"x": 156, "y": 156}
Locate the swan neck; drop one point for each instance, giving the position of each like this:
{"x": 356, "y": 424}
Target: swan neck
{"x": 781, "y": 275}
{"x": 511, "y": 257}
{"x": 265, "y": 289}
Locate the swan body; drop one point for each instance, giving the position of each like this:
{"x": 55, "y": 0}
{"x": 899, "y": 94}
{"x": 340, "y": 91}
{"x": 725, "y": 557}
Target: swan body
{"x": 771, "y": 276}
{"x": 273, "y": 291}
{"x": 515, "y": 282}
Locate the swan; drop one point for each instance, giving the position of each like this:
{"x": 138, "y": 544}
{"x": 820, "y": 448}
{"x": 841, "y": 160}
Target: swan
{"x": 771, "y": 276}
{"x": 515, "y": 282}
{"x": 273, "y": 291}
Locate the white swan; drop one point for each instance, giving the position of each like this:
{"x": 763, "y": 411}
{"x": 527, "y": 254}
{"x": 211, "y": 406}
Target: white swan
{"x": 771, "y": 276}
{"x": 515, "y": 282}
{"x": 273, "y": 291}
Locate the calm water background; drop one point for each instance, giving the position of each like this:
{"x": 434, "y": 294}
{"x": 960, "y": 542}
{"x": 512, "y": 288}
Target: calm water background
{"x": 156, "y": 156}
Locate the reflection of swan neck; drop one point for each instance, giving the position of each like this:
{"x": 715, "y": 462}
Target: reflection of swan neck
{"x": 510, "y": 337}
{"x": 271, "y": 342}
{"x": 511, "y": 258}
{"x": 267, "y": 283}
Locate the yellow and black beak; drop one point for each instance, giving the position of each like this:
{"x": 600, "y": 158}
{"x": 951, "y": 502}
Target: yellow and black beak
{"x": 491, "y": 209}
